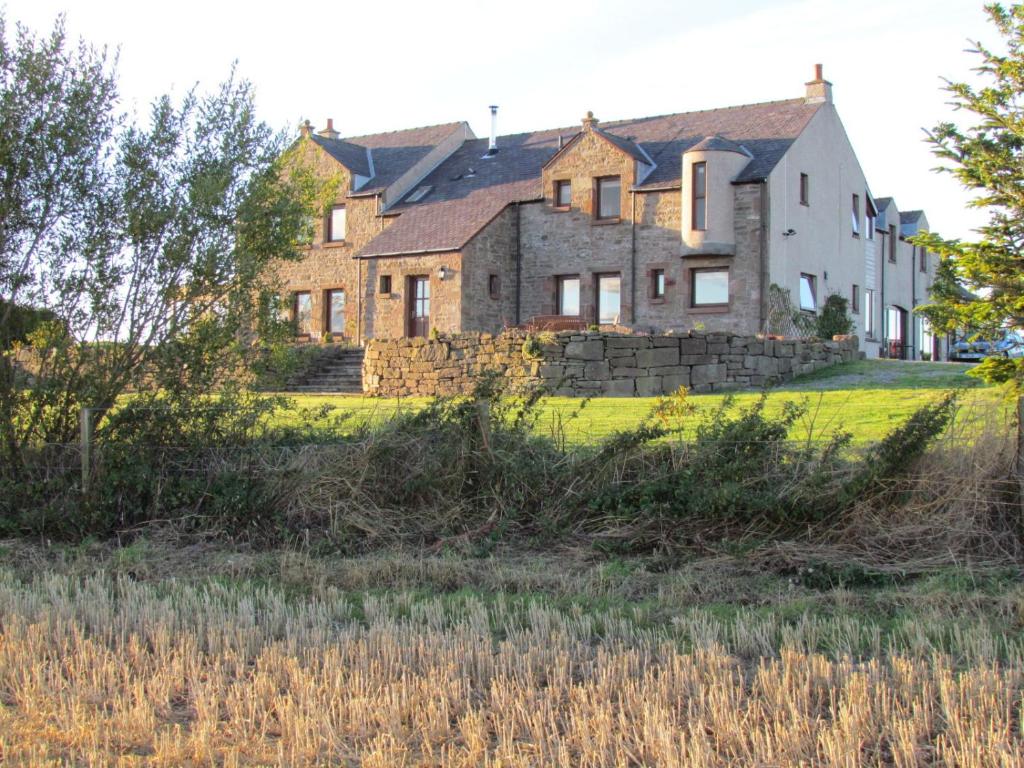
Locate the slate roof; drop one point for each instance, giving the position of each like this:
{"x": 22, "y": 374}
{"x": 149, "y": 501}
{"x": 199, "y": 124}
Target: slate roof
{"x": 352, "y": 156}
{"x": 718, "y": 144}
{"x": 392, "y": 153}
{"x": 910, "y": 217}
{"x": 469, "y": 191}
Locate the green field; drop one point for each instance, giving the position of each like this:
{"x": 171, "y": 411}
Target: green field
{"x": 866, "y": 398}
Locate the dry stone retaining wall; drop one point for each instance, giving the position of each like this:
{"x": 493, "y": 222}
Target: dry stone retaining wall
{"x": 595, "y": 363}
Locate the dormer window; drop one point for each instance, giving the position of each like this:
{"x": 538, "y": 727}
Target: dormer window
{"x": 419, "y": 194}
{"x": 336, "y": 225}
{"x": 700, "y": 196}
{"x": 608, "y": 204}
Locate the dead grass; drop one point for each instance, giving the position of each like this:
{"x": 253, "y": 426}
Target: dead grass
{"x": 103, "y": 670}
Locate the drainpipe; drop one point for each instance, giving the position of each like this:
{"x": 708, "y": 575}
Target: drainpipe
{"x": 632, "y": 258}
{"x": 881, "y": 299}
{"x": 519, "y": 263}
{"x": 763, "y": 248}
{"x": 913, "y": 297}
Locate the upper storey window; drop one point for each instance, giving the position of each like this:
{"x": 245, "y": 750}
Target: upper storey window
{"x": 805, "y": 189}
{"x": 608, "y": 198}
{"x": 563, "y": 194}
{"x": 855, "y": 216}
{"x": 700, "y": 195}
{"x": 336, "y": 224}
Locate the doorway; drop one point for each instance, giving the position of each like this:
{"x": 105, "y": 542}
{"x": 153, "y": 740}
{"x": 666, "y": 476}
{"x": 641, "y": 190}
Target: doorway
{"x": 418, "y": 306}
{"x": 335, "y": 307}
{"x": 609, "y": 299}
{"x": 896, "y": 332}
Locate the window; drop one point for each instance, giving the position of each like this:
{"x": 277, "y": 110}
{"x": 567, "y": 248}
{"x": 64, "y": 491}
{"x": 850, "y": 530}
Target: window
{"x": 855, "y": 216}
{"x": 922, "y": 259}
{"x": 608, "y": 197}
{"x": 609, "y": 299}
{"x": 384, "y": 284}
{"x": 805, "y": 189}
{"x": 926, "y": 343}
{"x": 568, "y": 296}
{"x": 336, "y": 224}
{"x": 869, "y": 313}
{"x": 700, "y": 196}
{"x": 808, "y": 293}
{"x": 657, "y": 283}
{"x": 855, "y": 299}
{"x": 302, "y": 312}
{"x": 709, "y": 287}
{"x": 892, "y": 244}
{"x": 306, "y": 231}
{"x": 419, "y": 194}
{"x": 335, "y": 304}
{"x": 563, "y": 194}
{"x": 493, "y": 286}
{"x": 869, "y": 217}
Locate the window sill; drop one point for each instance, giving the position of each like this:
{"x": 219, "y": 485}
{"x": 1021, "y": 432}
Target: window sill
{"x": 335, "y": 243}
{"x": 606, "y": 222}
{"x": 494, "y": 296}
{"x": 561, "y": 208}
{"x": 710, "y": 309}
{"x": 657, "y": 299}
{"x": 805, "y": 204}
{"x": 855, "y": 235}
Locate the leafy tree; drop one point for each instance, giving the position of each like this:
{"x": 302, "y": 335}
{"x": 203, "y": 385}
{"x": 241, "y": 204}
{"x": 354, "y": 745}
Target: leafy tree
{"x": 980, "y": 285}
{"x": 151, "y": 243}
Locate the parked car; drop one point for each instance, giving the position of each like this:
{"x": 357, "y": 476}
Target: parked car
{"x": 969, "y": 351}
{"x": 1010, "y": 344}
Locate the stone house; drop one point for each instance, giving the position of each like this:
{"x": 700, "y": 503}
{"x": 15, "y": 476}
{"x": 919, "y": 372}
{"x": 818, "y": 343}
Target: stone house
{"x": 663, "y": 223}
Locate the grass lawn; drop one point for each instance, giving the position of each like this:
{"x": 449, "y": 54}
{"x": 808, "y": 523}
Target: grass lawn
{"x": 867, "y": 398}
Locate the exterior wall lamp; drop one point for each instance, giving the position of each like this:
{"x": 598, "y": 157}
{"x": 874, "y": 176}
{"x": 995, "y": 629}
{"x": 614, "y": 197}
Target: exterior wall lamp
{"x": 442, "y": 272}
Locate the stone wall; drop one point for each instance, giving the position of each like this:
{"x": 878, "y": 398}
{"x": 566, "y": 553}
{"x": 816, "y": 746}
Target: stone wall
{"x": 595, "y": 363}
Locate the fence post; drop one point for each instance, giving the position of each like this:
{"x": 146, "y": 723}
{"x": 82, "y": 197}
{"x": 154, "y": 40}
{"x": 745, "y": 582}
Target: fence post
{"x": 85, "y": 420}
{"x": 484, "y": 416}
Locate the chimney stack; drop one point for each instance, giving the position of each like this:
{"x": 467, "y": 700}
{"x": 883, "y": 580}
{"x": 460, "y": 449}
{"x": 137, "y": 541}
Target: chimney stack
{"x": 492, "y": 145}
{"x": 819, "y": 90}
{"x": 589, "y": 121}
{"x": 305, "y": 128}
{"x": 329, "y": 132}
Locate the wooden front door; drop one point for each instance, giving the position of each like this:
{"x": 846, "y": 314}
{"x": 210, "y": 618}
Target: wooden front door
{"x": 418, "y": 306}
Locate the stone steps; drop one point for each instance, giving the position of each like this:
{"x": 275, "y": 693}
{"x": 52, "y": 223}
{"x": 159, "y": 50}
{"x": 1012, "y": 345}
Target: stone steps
{"x": 334, "y": 371}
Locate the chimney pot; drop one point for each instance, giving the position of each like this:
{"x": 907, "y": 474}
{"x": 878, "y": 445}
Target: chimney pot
{"x": 492, "y": 145}
{"x": 329, "y": 132}
{"x": 819, "y": 90}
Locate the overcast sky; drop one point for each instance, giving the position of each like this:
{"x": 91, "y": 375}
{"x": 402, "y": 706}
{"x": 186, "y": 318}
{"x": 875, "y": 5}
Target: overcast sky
{"x": 387, "y": 65}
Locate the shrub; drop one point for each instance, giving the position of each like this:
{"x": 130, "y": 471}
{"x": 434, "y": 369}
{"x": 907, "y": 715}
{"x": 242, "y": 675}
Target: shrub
{"x": 834, "y": 319}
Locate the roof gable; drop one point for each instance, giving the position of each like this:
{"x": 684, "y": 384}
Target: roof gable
{"x": 353, "y": 156}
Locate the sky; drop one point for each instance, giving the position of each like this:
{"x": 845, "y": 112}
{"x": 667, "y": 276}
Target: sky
{"x": 375, "y": 66}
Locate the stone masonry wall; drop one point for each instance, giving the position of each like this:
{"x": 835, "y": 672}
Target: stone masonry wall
{"x": 595, "y": 363}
